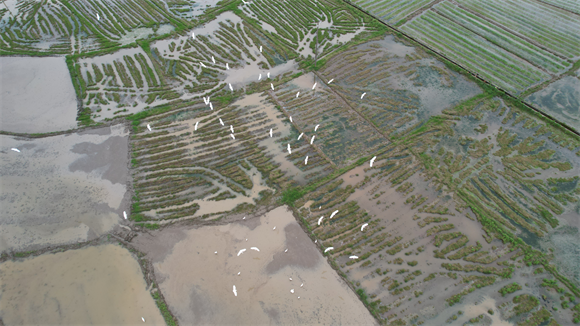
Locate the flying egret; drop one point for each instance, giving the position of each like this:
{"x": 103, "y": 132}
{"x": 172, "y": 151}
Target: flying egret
{"x": 15, "y": 149}
{"x": 221, "y": 121}
{"x": 320, "y": 220}
{"x": 330, "y": 81}
{"x": 272, "y": 85}
{"x": 232, "y": 128}
{"x": 292, "y": 291}
{"x": 201, "y": 63}
{"x": 312, "y": 140}
{"x": 316, "y": 128}
{"x": 231, "y": 88}
{"x": 268, "y": 74}
{"x": 306, "y": 160}
{"x": 206, "y": 100}
{"x": 363, "y": 95}
{"x": 193, "y": 35}
{"x": 143, "y": 319}
{"x": 270, "y": 132}
{"x": 363, "y": 226}
{"x": 372, "y": 160}
{"x": 125, "y": 214}
{"x": 260, "y": 77}
{"x": 196, "y": 125}
{"x": 333, "y": 213}
{"x": 289, "y": 149}
{"x": 227, "y": 66}
{"x": 260, "y": 49}
{"x": 255, "y": 248}
{"x": 353, "y": 257}
{"x": 297, "y": 94}
{"x": 290, "y": 118}
{"x": 211, "y": 106}
{"x": 149, "y": 127}
{"x": 274, "y": 228}
{"x": 314, "y": 85}
{"x": 328, "y": 249}
{"x": 233, "y": 137}
{"x": 235, "y": 291}
{"x": 300, "y": 136}
{"x": 241, "y": 252}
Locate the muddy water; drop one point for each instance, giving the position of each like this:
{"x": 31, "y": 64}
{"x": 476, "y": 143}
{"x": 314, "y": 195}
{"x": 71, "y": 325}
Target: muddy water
{"x": 94, "y": 285}
{"x": 62, "y": 189}
{"x": 36, "y": 95}
{"x": 198, "y": 284}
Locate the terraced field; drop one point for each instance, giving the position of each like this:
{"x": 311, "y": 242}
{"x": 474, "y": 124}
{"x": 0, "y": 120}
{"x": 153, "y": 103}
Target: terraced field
{"x": 432, "y": 195}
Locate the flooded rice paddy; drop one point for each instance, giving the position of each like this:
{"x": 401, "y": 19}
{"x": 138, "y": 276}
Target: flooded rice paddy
{"x": 197, "y": 283}
{"x": 36, "y": 95}
{"x": 560, "y": 100}
{"x": 62, "y": 189}
{"x": 93, "y": 285}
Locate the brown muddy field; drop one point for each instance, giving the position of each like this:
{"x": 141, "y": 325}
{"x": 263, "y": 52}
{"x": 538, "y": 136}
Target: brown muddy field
{"x": 93, "y": 285}
{"x": 62, "y": 189}
{"x": 198, "y": 284}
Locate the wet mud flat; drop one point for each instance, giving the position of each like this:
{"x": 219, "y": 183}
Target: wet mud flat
{"x": 561, "y": 100}
{"x": 36, "y": 95}
{"x": 198, "y": 284}
{"x": 92, "y": 285}
{"x": 62, "y": 189}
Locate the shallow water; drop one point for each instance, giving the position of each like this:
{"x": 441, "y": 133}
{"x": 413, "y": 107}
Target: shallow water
{"x": 202, "y": 293}
{"x": 36, "y": 95}
{"x": 561, "y": 100}
{"x": 93, "y": 285}
{"x": 62, "y": 189}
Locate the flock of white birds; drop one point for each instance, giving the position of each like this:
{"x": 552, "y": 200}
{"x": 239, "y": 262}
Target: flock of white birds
{"x": 208, "y": 103}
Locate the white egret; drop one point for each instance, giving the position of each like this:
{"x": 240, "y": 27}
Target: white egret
{"x": 289, "y": 149}
{"x": 292, "y": 291}
{"x": 300, "y": 136}
{"x": 193, "y": 35}
{"x": 363, "y": 95}
{"x": 316, "y": 128}
{"x": 221, "y": 121}
{"x": 330, "y": 81}
{"x": 333, "y": 213}
{"x": 301, "y": 285}
{"x": 353, "y": 257}
{"x": 241, "y": 252}
{"x": 201, "y": 63}
{"x": 298, "y": 297}
{"x": 231, "y": 88}
{"x": 255, "y": 248}
{"x": 314, "y": 85}
{"x": 232, "y": 128}
{"x": 15, "y": 149}
{"x": 260, "y": 77}
{"x": 328, "y": 249}
{"x": 211, "y": 106}
{"x": 260, "y": 49}
{"x": 215, "y": 252}
{"x": 274, "y": 228}
{"x": 244, "y": 218}
{"x": 212, "y": 59}
{"x": 245, "y": 2}
{"x": 268, "y": 74}
{"x": 272, "y": 85}
{"x": 98, "y": 18}
{"x": 149, "y": 127}
{"x": 306, "y": 160}
{"x": 290, "y": 278}
{"x": 125, "y": 214}
{"x": 246, "y": 240}
{"x": 315, "y": 241}
{"x": 320, "y": 220}
{"x": 373, "y": 160}
{"x": 206, "y": 100}
{"x": 297, "y": 94}
{"x": 286, "y": 250}
{"x": 196, "y": 125}
{"x": 233, "y": 137}
{"x": 143, "y": 319}
{"x": 312, "y": 140}
{"x": 270, "y": 132}
{"x": 235, "y": 291}
{"x": 227, "y": 66}
{"x": 290, "y": 118}
{"x": 363, "y": 226}
{"x": 239, "y": 273}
